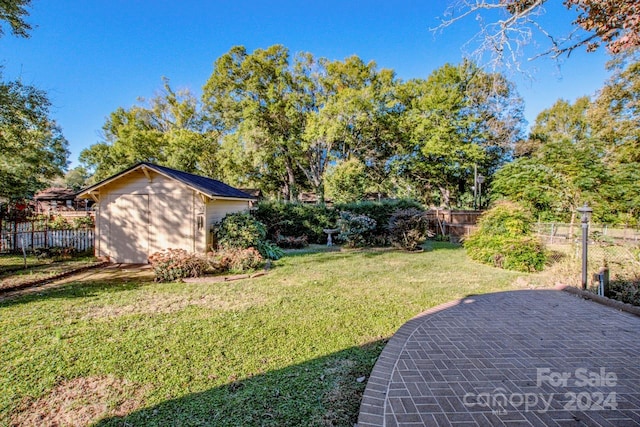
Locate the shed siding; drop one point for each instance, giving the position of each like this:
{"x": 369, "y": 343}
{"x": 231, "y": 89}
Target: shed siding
{"x": 128, "y": 239}
{"x": 172, "y": 221}
{"x": 172, "y": 214}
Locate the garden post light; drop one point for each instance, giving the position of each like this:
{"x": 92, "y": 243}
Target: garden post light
{"x": 479, "y": 182}
{"x": 585, "y": 212}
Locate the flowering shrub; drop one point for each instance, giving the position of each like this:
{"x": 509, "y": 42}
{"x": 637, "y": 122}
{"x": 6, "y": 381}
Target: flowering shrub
{"x": 356, "y": 230}
{"x": 173, "y": 264}
{"x": 235, "y": 260}
{"x": 407, "y": 229}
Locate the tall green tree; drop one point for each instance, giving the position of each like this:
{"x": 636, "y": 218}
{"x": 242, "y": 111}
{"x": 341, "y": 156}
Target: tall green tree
{"x": 358, "y": 120}
{"x": 32, "y": 147}
{"x": 168, "y": 129}
{"x": 459, "y": 118}
{"x": 615, "y": 114}
{"x": 256, "y": 95}
{"x": 556, "y": 179}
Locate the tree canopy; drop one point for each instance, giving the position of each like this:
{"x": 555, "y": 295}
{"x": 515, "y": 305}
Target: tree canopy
{"x": 167, "y": 129}
{"x": 32, "y": 148}
{"x": 286, "y": 123}
{"x": 585, "y": 151}
{"x": 14, "y": 13}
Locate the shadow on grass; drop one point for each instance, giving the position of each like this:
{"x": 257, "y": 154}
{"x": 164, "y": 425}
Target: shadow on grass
{"x": 74, "y": 289}
{"x": 323, "y": 391}
{"x": 434, "y": 245}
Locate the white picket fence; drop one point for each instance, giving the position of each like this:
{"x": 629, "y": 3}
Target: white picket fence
{"x": 16, "y": 236}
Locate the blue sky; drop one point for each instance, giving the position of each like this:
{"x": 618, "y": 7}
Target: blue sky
{"x": 94, "y": 56}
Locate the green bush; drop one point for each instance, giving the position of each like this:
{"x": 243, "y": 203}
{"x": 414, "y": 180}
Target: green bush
{"x": 380, "y": 212}
{"x": 408, "y": 229}
{"x": 504, "y": 239}
{"x": 243, "y": 231}
{"x": 270, "y": 250}
{"x": 173, "y": 264}
{"x": 240, "y": 230}
{"x": 625, "y": 290}
{"x": 356, "y": 230}
{"x": 82, "y": 222}
{"x": 296, "y": 219}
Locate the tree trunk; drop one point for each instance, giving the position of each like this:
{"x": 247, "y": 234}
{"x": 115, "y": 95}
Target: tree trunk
{"x": 291, "y": 181}
{"x": 446, "y": 196}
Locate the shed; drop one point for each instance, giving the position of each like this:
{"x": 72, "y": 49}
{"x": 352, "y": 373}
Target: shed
{"x": 148, "y": 208}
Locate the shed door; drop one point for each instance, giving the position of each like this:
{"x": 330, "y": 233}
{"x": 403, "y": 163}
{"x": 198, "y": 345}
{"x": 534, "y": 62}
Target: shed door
{"x": 129, "y": 228}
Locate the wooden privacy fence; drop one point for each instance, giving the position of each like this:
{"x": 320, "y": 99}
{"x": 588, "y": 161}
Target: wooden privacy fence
{"x": 455, "y": 224}
{"x": 16, "y": 236}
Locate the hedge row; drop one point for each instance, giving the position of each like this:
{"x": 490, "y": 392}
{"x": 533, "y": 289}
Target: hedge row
{"x": 297, "y": 219}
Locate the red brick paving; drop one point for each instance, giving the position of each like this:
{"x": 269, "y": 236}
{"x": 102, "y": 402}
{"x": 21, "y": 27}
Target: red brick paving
{"x": 499, "y": 360}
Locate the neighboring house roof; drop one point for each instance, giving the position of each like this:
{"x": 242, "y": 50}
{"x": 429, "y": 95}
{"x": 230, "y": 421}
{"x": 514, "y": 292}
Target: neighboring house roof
{"x": 310, "y": 197}
{"x": 253, "y": 192}
{"x": 207, "y": 186}
{"x": 55, "y": 193}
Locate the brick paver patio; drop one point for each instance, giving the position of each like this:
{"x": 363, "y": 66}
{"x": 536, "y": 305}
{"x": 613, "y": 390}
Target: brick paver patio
{"x": 521, "y": 358}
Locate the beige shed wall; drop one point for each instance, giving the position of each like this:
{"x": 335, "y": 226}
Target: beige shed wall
{"x": 172, "y": 212}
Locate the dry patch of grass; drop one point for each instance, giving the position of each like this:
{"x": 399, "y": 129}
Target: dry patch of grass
{"x": 157, "y": 303}
{"x": 80, "y": 402}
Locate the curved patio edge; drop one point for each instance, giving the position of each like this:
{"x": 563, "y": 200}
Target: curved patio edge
{"x": 437, "y": 365}
{"x": 374, "y": 397}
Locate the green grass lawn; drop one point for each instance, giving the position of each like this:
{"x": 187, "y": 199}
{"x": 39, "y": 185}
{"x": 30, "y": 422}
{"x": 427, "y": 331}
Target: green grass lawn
{"x": 287, "y": 348}
{"x": 16, "y": 262}
{"x": 13, "y": 274}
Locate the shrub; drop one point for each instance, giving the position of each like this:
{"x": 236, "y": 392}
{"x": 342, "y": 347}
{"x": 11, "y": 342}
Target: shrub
{"x": 270, "y": 250}
{"x": 174, "y": 264}
{"x": 296, "y": 219}
{"x": 235, "y": 260}
{"x": 59, "y": 223}
{"x": 56, "y": 253}
{"x": 291, "y": 242}
{"x": 356, "y": 230}
{"x": 625, "y": 290}
{"x": 380, "y": 212}
{"x": 240, "y": 230}
{"x": 82, "y": 222}
{"x": 504, "y": 239}
{"x": 407, "y": 229}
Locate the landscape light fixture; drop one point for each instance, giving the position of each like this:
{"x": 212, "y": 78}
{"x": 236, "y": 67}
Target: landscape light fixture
{"x": 585, "y": 216}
